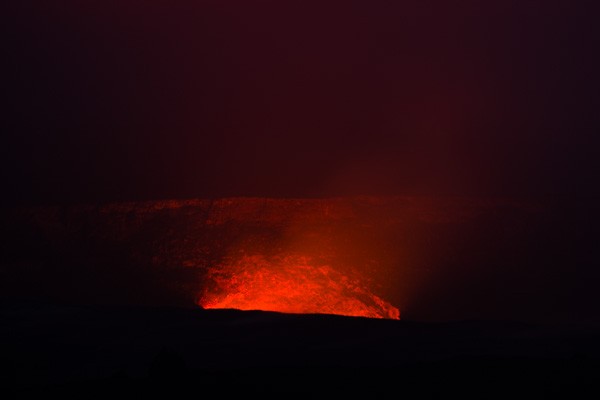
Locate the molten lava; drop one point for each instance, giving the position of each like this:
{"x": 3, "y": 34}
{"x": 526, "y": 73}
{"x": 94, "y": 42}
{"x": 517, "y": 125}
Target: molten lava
{"x": 291, "y": 284}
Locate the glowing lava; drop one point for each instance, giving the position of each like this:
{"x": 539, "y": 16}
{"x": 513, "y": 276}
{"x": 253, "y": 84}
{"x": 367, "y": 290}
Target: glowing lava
{"x": 291, "y": 284}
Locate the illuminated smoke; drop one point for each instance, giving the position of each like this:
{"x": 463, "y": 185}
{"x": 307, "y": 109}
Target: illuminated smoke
{"x": 290, "y": 284}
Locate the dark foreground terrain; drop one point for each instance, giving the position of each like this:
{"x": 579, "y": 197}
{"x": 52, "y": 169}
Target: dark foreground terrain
{"x": 108, "y": 350}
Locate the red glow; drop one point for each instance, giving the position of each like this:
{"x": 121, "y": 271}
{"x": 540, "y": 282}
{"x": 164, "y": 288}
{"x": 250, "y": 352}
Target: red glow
{"x": 291, "y": 284}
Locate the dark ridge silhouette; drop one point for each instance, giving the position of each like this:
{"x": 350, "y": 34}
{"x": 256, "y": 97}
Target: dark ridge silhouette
{"x": 171, "y": 351}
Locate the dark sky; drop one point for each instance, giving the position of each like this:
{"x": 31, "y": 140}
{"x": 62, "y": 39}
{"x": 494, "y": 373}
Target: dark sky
{"x": 131, "y": 99}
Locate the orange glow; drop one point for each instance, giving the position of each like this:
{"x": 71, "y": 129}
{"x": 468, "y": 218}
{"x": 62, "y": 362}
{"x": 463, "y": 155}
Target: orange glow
{"x": 291, "y": 284}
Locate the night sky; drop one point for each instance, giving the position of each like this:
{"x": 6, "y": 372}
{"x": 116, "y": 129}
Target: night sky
{"x": 126, "y": 99}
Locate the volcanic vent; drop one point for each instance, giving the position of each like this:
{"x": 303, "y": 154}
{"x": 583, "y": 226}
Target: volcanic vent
{"x": 291, "y": 284}
{"x": 367, "y": 257}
